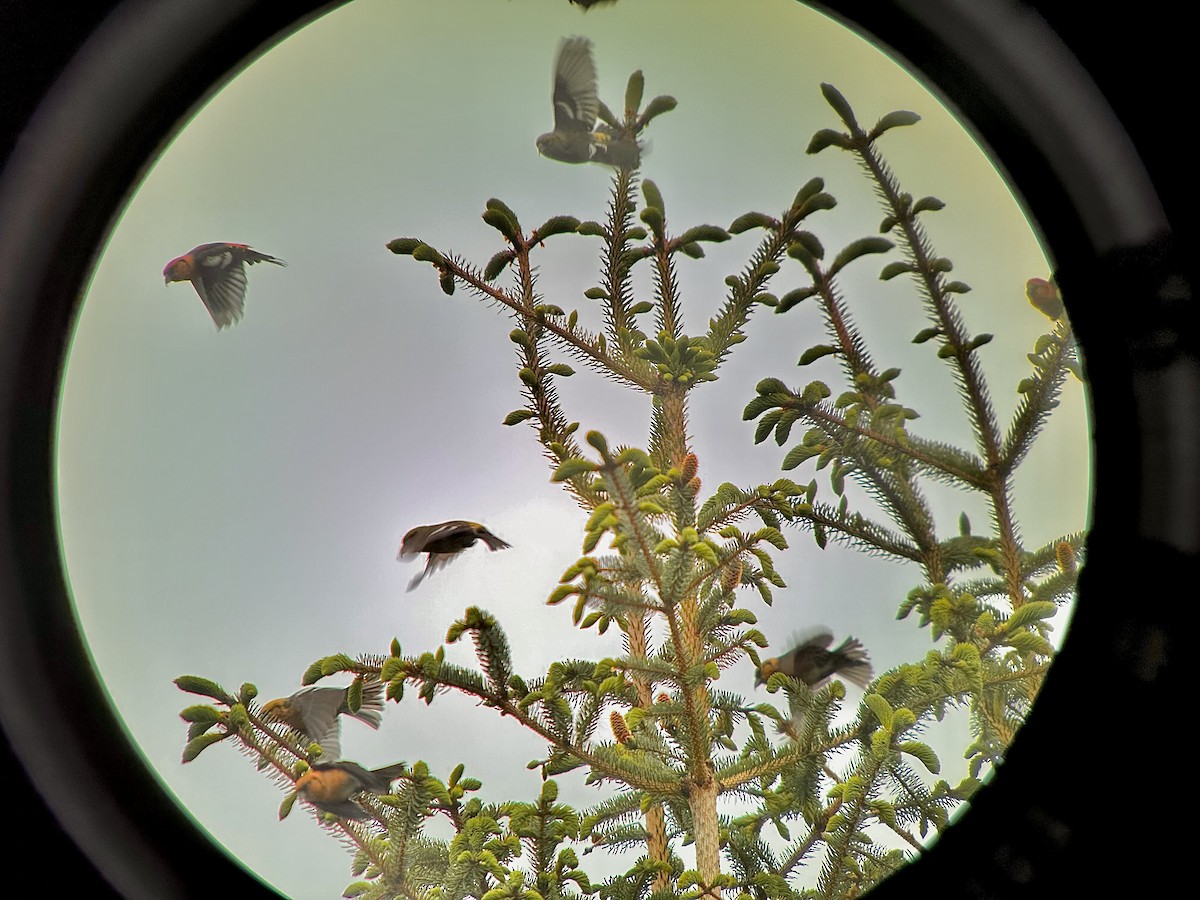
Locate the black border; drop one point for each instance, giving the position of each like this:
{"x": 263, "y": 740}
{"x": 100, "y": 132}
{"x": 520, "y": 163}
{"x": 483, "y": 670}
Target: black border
{"x": 1048, "y": 823}
{"x": 102, "y": 116}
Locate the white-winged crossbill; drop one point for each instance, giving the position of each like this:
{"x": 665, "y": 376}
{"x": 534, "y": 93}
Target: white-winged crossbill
{"x": 218, "y": 273}
{"x": 315, "y": 713}
{"x": 575, "y": 103}
{"x": 441, "y": 543}
{"x": 576, "y": 138}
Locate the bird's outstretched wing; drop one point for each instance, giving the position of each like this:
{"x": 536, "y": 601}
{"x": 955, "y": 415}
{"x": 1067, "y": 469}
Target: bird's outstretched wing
{"x": 320, "y": 714}
{"x": 434, "y": 562}
{"x": 222, "y": 287}
{"x": 575, "y": 100}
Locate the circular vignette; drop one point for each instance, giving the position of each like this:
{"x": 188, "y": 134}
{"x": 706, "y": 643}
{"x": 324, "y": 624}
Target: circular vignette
{"x": 1029, "y": 101}
{"x": 1046, "y": 816}
{"x": 88, "y": 142}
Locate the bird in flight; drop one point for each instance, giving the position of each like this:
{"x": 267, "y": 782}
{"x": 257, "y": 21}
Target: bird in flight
{"x": 814, "y": 663}
{"x": 575, "y": 103}
{"x": 575, "y": 138}
{"x": 443, "y": 542}
{"x": 315, "y": 712}
{"x": 218, "y": 273}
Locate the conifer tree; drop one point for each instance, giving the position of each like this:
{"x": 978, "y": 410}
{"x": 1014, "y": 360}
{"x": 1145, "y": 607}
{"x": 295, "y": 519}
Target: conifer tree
{"x": 712, "y": 793}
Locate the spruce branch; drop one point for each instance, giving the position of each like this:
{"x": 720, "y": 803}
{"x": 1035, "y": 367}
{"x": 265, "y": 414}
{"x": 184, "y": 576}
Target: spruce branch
{"x": 649, "y": 722}
{"x": 856, "y": 530}
{"x": 1053, "y": 356}
{"x": 957, "y": 345}
{"x": 591, "y": 349}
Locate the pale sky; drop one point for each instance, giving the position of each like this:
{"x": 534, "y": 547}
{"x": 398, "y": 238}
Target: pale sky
{"x": 231, "y": 503}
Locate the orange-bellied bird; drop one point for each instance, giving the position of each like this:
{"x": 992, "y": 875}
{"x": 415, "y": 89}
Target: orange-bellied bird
{"x": 1044, "y": 297}
{"x": 813, "y": 662}
{"x": 315, "y": 712}
{"x": 441, "y": 543}
{"x": 575, "y": 138}
{"x": 218, "y": 273}
{"x": 329, "y": 786}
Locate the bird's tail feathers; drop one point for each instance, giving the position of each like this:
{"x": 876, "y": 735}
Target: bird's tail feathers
{"x": 853, "y": 664}
{"x": 382, "y": 778}
{"x": 494, "y": 543}
{"x": 371, "y": 710}
{"x": 255, "y": 256}
{"x": 859, "y": 673}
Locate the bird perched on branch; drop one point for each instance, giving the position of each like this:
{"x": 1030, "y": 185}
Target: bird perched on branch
{"x": 315, "y": 712}
{"x": 218, "y": 273}
{"x": 1044, "y": 297}
{"x": 329, "y": 786}
{"x": 575, "y": 138}
{"x": 814, "y": 663}
{"x": 441, "y": 543}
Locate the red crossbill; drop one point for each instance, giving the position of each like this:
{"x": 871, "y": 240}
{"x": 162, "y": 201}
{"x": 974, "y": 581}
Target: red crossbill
{"x": 441, "y": 543}
{"x": 314, "y": 712}
{"x": 812, "y": 663}
{"x": 218, "y": 273}
{"x": 329, "y": 786}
